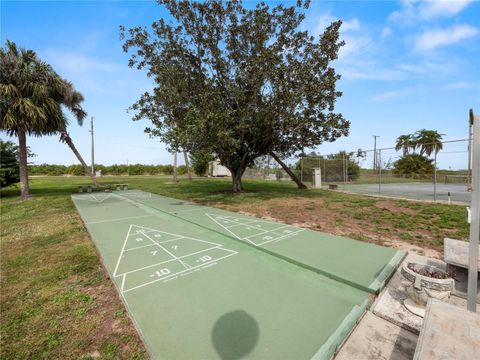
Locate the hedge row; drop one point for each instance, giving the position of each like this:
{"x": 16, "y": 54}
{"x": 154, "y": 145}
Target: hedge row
{"x": 134, "y": 169}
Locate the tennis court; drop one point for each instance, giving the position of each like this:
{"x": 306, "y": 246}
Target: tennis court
{"x": 456, "y": 193}
{"x": 200, "y": 282}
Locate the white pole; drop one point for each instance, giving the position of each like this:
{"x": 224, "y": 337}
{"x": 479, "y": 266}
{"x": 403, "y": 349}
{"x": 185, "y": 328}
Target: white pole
{"x": 93, "y": 148}
{"x": 435, "y": 176}
{"x": 475, "y": 219}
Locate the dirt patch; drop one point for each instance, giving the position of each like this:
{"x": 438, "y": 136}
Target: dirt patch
{"x": 394, "y": 206}
{"x": 383, "y": 222}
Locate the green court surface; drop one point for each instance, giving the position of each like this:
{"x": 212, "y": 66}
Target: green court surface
{"x": 211, "y": 285}
{"x": 359, "y": 264}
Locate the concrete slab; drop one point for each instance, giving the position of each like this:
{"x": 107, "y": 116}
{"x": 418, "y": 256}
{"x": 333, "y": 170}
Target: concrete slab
{"x": 389, "y": 304}
{"x": 449, "y": 332}
{"x": 376, "y": 338}
{"x": 456, "y": 252}
{"x": 390, "y": 307}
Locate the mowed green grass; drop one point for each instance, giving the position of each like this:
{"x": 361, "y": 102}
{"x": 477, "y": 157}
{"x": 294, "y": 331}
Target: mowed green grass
{"x": 57, "y": 301}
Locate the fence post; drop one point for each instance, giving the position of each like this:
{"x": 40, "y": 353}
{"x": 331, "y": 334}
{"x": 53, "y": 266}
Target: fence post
{"x": 379, "y": 165}
{"x": 435, "y": 175}
{"x": 343, "y": 168}
{"x": 324, "y": 170}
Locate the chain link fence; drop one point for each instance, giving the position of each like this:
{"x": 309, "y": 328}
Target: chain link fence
{"x": 437, "y": 171}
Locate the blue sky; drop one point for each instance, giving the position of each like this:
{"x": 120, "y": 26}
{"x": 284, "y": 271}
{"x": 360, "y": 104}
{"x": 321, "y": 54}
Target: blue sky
{"x": 406, "y": 65}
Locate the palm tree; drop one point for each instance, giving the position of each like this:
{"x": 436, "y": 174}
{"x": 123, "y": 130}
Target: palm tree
{"x": 428, "y": 141}
{"x": 32, "y": 95}
{"x": 71, "y": 99}
{"x": 405, "y": 143}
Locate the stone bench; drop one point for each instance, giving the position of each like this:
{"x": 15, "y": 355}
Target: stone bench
{"x": 455, "y": 252}
{"x": 121, "y": 186}
{"x": 91, "y": 188}
{"x": 448, "y": 332}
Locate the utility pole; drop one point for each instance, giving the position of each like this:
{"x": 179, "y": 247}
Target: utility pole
{"x": 470, "y": 134}
{"x": 375, "y": 151}
{"x": 93, "y": 148}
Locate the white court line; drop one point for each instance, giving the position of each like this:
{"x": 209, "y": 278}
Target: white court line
{"x": 258, "y": 227}
{"x": 238, "y": 237}
{"x": 281, "y": 237}
{"x": 168, "y": 252}
{"x": 263, "y": 231}
{"x": 121, "y": 251}
{"x": 267, "y": 231}
{"x": 139, "y": 247}
{"x": 118, "y": 219}
{"x": 182, "y": 211}
{"x": 123, "y": 282}
{"x": 178, "y": 273}
{"x": 167, "y": 261}
{"x": 238, "y": 223}
{"x": 183, "y": 236}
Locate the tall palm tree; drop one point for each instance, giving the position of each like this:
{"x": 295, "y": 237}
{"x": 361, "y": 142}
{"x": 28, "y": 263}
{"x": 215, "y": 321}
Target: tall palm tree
{"x": 405, "y": 143}
{"x": 71, "y": 99}
{"x": 31, "y": 99}
{"x": 428, "y": 141}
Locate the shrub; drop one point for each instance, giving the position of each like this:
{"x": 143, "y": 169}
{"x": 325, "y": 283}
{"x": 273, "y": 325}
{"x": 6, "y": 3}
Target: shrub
{"x": 9, "y": 171}
{"x": 414, "y": 166}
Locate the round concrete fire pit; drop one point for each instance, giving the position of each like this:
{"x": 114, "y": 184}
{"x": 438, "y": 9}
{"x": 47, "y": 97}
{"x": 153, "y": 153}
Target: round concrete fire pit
{"x": 422, "y": 282}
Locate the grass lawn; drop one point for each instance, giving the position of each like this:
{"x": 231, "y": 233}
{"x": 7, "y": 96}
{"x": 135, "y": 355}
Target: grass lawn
{"x": 57, "y": 301}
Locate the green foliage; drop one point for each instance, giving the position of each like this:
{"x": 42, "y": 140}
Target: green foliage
{"x": 76, "y": 170}
{"x": 199, "y": 161}
{"x": 8, "y": 163}
{"x": 122, "y": 169}
{"x": 428, "y": 141}
{"x": 33, "y": 97}
{"x": 46, "y": 169}
{"x": 238, "y": 83}
{"x": 413, "y": 166}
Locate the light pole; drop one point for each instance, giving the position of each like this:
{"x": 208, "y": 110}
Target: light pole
{"x": 93, "y": 148}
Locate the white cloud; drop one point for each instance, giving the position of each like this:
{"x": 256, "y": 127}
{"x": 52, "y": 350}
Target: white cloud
{"x": 386, "y": 32}
{"x": 438, "y": 8}
{"x": 387, "y": 95}
{"x": 397, "y": 93}
{"x": 351, "y": 25}
{"x": 431, "y": 39}
{"x": 413, "y": 10}
{"x": 79, "y": 63}
{"x": 326, "y": 19}
{"x": 461, "y": 85}
{"x": 354, "y": 46}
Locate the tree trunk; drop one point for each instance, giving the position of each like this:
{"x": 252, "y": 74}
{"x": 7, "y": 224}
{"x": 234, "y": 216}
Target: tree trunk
{"x": 237, "y": 174}
{"x": 22, "y": 154}
{"x": 64, "y": 137}
{"x": 187, "y": 165}
{"x": 175, "y": 166}
{"x": 294, "y": 177}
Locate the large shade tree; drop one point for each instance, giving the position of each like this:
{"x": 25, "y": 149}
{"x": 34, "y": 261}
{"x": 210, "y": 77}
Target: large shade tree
{"x": 238, "y": 83}
{"x": 31, "y": 98}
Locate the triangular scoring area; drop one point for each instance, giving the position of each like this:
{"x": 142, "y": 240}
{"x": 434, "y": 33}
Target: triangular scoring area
{"x": 150, "y": 255}
{"x": 97, "y": 198}
{"x": 256, "y": 232}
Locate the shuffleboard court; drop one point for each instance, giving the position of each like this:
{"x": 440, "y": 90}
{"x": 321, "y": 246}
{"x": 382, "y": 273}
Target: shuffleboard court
{"x": 195, "y": 293}
{"x": 359, "y": 264}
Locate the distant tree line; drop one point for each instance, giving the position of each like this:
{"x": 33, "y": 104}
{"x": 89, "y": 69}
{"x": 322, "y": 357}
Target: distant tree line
{"x": 117, "y": 169}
